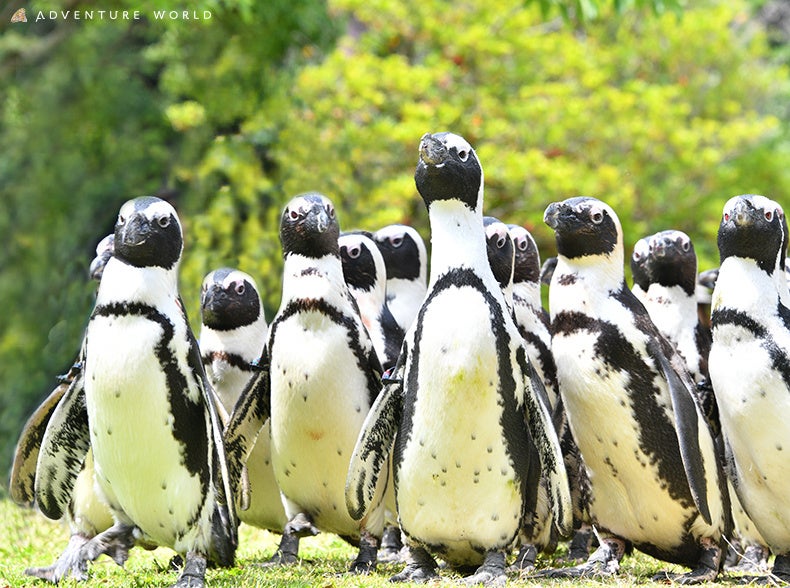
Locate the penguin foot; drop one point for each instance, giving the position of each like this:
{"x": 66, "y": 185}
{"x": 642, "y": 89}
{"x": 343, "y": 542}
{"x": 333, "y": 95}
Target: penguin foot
{"x": 194, "y": 573}
{"x": 368, "y": 551}
{"x": 753, "y": 560}
{"x": 604, "y": 562}
{"x": 114, "y": 542}
{"x": 69, "y": 564}
{"x": 420, "y": 567}
{"x": 287, "y": 553}
{"x": 391, "y": 545}
{"x": 491, "y": 573}
{"x": 707, "y": 568}
{"x": 301, "y": 526}
{"x": 525, "y": 560}
{"x": 579, "y": 548}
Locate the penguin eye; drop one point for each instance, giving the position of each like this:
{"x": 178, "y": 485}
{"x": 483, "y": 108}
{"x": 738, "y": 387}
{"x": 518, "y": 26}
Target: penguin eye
{"x": 330, "y": 210}
{"x": 396, "y": 241}
{"x": 240, "y": 289}
{"x": 121, "y": 220}
{"x": 354, "y": 252}
{"x": 500, "y": 242}
{"x": 769, "y": 215}
{"x": 686, "y": 245}
{"x": 163, "y": 221}
{"x": 596, "y": 217}
{"x": 522, "y": 244}
{"x": 463, "y": 155}
{"x": 726, "y": 216}
{"x": 293, "y": 214}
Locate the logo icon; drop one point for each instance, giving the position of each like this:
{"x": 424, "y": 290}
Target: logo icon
{"x": 19, "y": 16}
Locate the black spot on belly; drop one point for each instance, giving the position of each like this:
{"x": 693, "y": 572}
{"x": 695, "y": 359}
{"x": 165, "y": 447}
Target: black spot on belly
{"x": 164, "y": 485}
{"x": 778, "y": 447}
{"x": 109, "y": 432}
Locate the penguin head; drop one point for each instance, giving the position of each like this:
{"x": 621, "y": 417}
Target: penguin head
{"x": 499, "y": 247}
{"x": 363, "y": 264}
{"x": 448, "y": 169}
{"x": 672, "y": 260}
{"x": 584, "y": 227}
{"x": 309, "y": 226}
{"x": 148, "y": 234}
{"x": 526, "y": 265}
{"x": 639, "y": 268}
{"x": 104, "y": 251}
{"x": 229, "y": 299}
{"x": 403, "y": 250}
{"x": 753, "y": 227}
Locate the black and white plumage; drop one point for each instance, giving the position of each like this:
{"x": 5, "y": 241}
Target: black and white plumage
{"x": 463, "y": 406}
{"x": 319, "y": 377}
{"x": 232, "y": 333}
{"x": 151, "y": 420}
{"x": 406, "y": 261}
{"x": 650, "y": 456}
{"x": 639, "y": 273}
{"x": 750, "y": 366}
{"x": 366, "y": 275}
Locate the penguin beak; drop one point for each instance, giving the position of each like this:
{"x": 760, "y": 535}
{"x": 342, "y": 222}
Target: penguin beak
{"x": 135, "y": 231}
{"x": 432, "y": 151}
{"x": 97, "y": 265}
{"x": 743, "y": 213}
{"x": 317, "y": 219}
{"x": 555, "y": 216}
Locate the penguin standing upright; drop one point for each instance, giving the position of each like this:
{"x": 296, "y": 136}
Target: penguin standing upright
{"x": 319, "y": 377}
{"x": 232, "y": 333}
{"x": 639, "y": 272}
{"x": 750, "y": 364}
{"x": 151, "y": 419}
{"x": 463, "y": 411}
{"x": 406, "y": 263}
{"x": 366, "y": 275}
{"x": 652, "y": 462}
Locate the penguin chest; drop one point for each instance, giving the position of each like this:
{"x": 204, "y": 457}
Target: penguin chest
{"x": 455, "y": 481}
{"x": 627, "y": 440}
{"x": 319, "y": 395}
{"x": 141, "y": 466}
{"x": 227, "y": 380}
{"x": 753, "y": 405}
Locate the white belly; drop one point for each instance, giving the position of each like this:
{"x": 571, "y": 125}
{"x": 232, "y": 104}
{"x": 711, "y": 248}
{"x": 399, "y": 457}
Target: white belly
{"x": 266, "y": 508}
{"x": 456, "y": 485}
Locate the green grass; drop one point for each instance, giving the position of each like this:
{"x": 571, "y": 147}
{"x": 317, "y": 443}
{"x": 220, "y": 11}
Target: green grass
{"x": 28, "y": 539}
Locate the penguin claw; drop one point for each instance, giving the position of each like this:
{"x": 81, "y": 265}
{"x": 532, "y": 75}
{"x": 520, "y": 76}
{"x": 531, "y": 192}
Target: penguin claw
{"x": 69, "y": 564}
{"x": 525, "y": 560}
{"x": 491, "y": 573}
{"x": 421, "y": 567}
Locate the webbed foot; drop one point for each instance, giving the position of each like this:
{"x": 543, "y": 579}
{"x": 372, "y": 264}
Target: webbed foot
{"x": 491, "y": 573}
{"x": 525, "y": 560}
{"x": 604, "y": 562}
{"x": 391, "y": 545}
{"x": 114, "y": 542}
{"x": 194, "y": 573}
{"x": 420, "y": 567}
{"x": 368, "y": 551}
{"x": 707, "y": 568}
{"x": 288, "y": 551}
{"x": 69, "y": 564}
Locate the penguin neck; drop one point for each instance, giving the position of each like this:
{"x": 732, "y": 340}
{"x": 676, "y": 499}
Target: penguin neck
{"x": 122, "y": 282}
{"x": 672, "y": 310}
{"x": 457, "y": 240}
{"x": 370, "y": 302}
{"x": 312, "y": 277}
{"x": 527, "y": 293}
{"x": 744, "y": 286}
{"x": 592, "y": 278}
{"x": 246, "y": 342}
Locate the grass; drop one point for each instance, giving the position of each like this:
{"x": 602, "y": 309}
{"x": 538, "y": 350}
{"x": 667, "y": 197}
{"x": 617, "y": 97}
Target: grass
{"x": 28, "y": 539}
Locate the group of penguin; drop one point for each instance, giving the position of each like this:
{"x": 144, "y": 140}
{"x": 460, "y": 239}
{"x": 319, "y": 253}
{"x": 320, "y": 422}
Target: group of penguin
{"x": 429, "y": 416}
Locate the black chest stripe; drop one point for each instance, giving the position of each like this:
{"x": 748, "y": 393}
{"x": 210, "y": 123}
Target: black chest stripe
{"x": 367, "y": 362}
{"x": 779, "y": 359}
{"x": 189, "y": 418}
{"x": 512, "y": 420}
{"x": 657, "y": 437}
{"x": 232, "y": 359}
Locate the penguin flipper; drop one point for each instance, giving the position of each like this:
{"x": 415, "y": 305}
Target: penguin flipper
{"x": 23, "y": 470}
{"x": 63, "y": 448}
{"x": 374, "y": 446}
{"x": 687, "y": 425}
{"x": 541, "y": 427}
{"x": 250, "y": 413}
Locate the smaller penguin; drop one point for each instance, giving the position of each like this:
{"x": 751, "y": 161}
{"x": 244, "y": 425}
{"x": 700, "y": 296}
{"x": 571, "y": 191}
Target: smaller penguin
{"x": 652, "y": 461}
{"x": 749, "y": 364}
{"x": 366, "y": 275}
{"x": 232, "y": 334}
{"x": 406, "y": 262}
{"x": 639, "y": 273}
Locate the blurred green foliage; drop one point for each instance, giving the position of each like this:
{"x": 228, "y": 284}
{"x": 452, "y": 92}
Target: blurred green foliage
{"x": 664, "y": 113}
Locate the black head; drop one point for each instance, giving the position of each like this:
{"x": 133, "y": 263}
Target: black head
{"x": 583, "y": 226}
{"x": 753, "y": 227}
{"x": 672, "y": 260}
{"x": 499, "y": 247}
{"x": 526, "y": 267}
{"x": 448, "y": 169}
{"x": 148, "y": 234}
{"x": 229, "y": 299}
{"x": 309, "y": 226}
{"x": 403, "y": 251}
{"x": 104, "y": 251}
{"x": 361, "y": 261}
{"x": 639, "y": 267}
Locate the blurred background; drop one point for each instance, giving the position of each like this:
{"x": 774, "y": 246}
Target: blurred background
{"x": 664, "y": 109}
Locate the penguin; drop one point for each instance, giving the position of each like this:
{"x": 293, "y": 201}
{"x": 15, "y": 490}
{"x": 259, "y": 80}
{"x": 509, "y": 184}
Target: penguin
{"x": 142, "y": 403}
{"x": 462, "y": 414}
{"x": 366, "y": 276}
{"x": 639, "y": 274}
{"x": 104, "y": 251}
{"x": 319, "y": 375}
{"x": 232, "y": 333}
{"x": 406, "y": 263}
{"x": 651, "y": 459}
{"x": 749, "y": 366}
{"x": 501, "y": 253}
